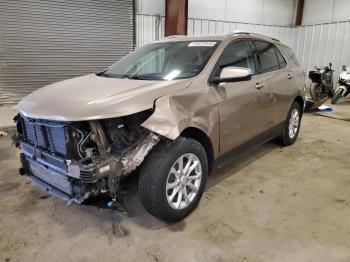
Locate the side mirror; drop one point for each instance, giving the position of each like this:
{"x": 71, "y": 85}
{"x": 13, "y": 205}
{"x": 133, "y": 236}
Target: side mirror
{"x": 233, "y": 74}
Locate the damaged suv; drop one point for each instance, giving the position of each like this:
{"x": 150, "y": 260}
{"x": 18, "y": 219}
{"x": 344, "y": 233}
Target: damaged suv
{"x": 172, "y": 111}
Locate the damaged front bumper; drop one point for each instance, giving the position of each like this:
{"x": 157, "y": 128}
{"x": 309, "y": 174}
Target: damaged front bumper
{"x": 75, "y": 181}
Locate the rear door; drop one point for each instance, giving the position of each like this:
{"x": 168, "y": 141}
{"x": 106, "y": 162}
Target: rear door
{"x": 239, "y": 107}
{"x": 276, "y": 92}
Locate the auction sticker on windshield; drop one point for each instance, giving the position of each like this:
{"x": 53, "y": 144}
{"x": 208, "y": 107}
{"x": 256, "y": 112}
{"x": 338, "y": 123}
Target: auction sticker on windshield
{"x": 202, "y": 44}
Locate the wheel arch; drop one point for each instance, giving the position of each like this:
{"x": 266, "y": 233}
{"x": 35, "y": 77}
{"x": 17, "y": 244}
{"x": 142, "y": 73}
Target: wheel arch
{"x": 202, "y": 138}
{"x": 300, "y": 101}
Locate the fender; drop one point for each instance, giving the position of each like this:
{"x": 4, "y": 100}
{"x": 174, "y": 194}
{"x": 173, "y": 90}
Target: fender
{"x": 173, "y": 114}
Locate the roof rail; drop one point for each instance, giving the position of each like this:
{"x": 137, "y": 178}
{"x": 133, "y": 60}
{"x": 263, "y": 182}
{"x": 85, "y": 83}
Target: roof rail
{"x": 172, "y": 36}
{"x": 250, "y": 33}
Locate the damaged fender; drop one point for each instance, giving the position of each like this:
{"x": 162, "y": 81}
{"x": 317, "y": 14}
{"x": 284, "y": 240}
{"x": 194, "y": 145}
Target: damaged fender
{"x": 173, "y": 114}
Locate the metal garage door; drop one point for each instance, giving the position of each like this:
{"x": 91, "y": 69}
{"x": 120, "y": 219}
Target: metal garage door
{"x": 44, "y": 41}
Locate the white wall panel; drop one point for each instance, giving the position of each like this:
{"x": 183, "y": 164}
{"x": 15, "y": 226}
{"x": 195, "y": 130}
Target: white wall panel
{"x": 321, "y": 44}
{"x": 274, "y": 12}
{"x": 247, "y": 11}
{"x": 207, "y": 9}
{"x": 341, "y": 10}
{"x": 151, "y": 7}
{"x": 317, "y": 11}
{"x": 325, "y": 11}
{"x": 149, "y": 28}
{"x": 278, "y": 12}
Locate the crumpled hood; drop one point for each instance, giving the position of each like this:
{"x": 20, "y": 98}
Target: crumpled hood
{"x": 93, "y": 97}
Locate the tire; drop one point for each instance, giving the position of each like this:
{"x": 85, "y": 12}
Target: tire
{"x": 157, "y": 172}
{"x": 315, "y": 95}
{"x": 286, "y": 138}
{"x": 337, "y": 96}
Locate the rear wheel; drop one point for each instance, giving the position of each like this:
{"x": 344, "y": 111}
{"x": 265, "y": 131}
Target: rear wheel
{"x": 337, "y": 96}
{"x": 173, "y": 178}
{"x": 291, "y": 126}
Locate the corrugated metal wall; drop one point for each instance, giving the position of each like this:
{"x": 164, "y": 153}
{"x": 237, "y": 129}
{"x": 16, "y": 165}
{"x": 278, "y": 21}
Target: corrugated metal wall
{"x": 46, "y": 41}
{"x": 323, "y": 43}
{"x": 149, "y": 28}
{"x": 313, "y": 44}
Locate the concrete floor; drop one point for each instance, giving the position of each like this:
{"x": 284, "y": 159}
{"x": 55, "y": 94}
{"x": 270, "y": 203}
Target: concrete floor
{"x": 274, "y": 204}
{"x": 7, "y": 114}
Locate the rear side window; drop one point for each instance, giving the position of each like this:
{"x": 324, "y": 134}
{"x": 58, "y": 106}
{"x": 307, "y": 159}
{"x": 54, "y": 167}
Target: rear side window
{"x": 267, "y": 56}
{"x": 289, "y": 54}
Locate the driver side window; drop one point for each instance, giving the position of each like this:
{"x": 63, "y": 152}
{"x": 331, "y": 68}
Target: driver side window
{"x": 237, "y": 54}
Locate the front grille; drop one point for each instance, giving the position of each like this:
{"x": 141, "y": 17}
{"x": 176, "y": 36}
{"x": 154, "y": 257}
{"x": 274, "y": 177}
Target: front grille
{"x": 52, "y": 177}
{"x": 51, "y": 136}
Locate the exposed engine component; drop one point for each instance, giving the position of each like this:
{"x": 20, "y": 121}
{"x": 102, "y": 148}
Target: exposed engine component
{"x": 82, "y": 159}
{"x": 81, "y": 149}
{"x": 135, "y": 157}
{"x": 99, "y": 137}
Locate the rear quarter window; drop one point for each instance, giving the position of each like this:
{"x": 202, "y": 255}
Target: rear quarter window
{"x": 283, "y": 62}
{"x": 289, "y": 55}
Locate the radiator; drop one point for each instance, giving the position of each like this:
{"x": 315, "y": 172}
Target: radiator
{"x": 51, "y": 177}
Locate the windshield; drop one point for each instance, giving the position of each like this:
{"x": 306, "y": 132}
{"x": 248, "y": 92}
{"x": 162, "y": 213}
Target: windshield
{"x": 164, "y": 61}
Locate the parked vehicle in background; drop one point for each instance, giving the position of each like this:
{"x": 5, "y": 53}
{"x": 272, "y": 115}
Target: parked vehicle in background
{"x": 322, "y": 82}
{"x": 171, "y": 112}
{"x": 343, "y": 88}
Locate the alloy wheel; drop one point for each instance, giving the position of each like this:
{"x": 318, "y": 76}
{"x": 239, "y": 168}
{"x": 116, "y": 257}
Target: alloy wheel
{"x": 183, "y": 181}
{"x": 293, "y": 123}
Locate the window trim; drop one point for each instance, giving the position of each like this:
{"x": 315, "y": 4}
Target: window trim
{"x": 216, "y": 66}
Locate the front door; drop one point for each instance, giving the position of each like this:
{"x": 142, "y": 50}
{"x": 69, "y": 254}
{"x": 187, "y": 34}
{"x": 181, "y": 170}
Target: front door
{"x": 239, "y": 102}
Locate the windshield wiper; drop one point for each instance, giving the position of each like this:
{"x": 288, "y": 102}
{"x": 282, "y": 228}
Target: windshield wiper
{"x": 136, "y": 76}
{"x": 103, "y": 74}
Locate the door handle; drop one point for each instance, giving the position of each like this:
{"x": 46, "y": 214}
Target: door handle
{"x": 289, "y": 76}
{"x": 259, "y": 86}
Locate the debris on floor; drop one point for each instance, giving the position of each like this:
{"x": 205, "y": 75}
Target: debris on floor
{"x": 311, "y": 105}
{"x": 322, "y": 109}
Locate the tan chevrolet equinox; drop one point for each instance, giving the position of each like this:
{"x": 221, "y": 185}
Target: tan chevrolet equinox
{"x": 171, "y": 112}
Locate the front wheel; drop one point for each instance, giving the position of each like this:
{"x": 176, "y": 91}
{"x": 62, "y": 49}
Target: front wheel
{"x": 337, "y": 96}
{"x": 173, "y": 178}
{"x": 316, "y": 92}
{"x": 291, "y": 126}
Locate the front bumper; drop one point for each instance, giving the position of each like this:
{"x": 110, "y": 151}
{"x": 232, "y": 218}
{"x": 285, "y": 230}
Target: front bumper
{"x": 59, "y": 177}
{"x": 78, "y": 180}
{"x": 49, "y": 189}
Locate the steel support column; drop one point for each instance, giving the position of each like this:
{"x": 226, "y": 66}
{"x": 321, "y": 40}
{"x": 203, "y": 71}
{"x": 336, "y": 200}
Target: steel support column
{"x": 176, "y": 13}
{"x": 299, "y": 14}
